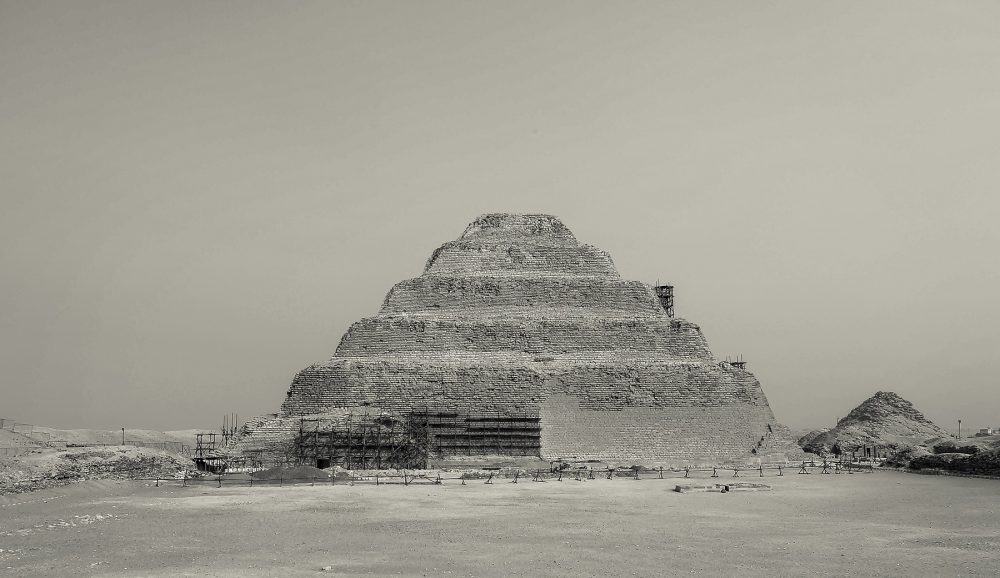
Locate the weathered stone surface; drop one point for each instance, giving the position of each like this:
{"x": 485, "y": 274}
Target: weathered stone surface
{"x": 884, "y": 419}
{"x": 518, "y": 317}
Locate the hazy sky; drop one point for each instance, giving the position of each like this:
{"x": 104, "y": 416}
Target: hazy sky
{"x": 199, "y": 198}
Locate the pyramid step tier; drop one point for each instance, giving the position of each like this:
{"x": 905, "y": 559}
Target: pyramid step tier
{"x": 409, "y": 334}
{"x": 468, "y": 294}
{"x": 477, "y": 383}
{"x": 491, "y": 256}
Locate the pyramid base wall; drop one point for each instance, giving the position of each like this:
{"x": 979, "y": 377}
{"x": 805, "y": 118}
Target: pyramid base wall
{"x": 625, "y": 436}
{"x": 668, "y": 436}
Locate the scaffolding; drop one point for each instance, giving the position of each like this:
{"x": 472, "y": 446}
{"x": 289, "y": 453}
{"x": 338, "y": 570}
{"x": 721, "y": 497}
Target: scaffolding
{"x": 459, "y": 434}
{"x": 665, "y": 293}
{"x": 206, "y": 453}
{"x": 362, "y": 442}
{"x": 406, "y": 441}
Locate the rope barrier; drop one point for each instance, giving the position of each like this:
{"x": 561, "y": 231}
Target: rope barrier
{"x": 380, "y": 478}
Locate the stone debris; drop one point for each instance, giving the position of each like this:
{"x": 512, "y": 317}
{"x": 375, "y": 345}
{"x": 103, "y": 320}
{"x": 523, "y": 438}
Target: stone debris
{"x": 59, "y": 467}
{"x": 722, "y": 488}
{"x": 689, "y": 488}
{"x": 74, "y": 522}
{"x": 747, "y": 487}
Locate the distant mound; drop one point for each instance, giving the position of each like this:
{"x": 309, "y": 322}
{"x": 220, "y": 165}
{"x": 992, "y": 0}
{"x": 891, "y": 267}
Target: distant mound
{"x": 883, "y": 419}
{"x": 809, "y": 437}
{"x": 91, "y": 437}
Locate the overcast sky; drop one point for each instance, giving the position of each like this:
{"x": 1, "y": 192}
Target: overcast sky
{"x": 199, "y": 198}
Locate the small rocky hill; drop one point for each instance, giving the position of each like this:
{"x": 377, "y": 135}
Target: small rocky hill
{"x": 884, "y": 419}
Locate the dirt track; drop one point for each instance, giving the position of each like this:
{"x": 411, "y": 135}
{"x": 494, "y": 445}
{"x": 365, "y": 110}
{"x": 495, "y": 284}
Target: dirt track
{"x": 886, "y": 524}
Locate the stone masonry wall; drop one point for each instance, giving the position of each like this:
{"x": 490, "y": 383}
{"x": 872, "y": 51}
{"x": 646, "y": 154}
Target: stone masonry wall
{"x": 670, "y": 436}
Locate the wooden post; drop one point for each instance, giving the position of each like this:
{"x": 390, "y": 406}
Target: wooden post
{"x": 378, "y": 449}
{"x": 347, "y": 450}
{"x": 364, "y": 444}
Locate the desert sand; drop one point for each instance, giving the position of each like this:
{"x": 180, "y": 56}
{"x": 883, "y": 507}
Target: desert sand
{"x": 881, "y": 524}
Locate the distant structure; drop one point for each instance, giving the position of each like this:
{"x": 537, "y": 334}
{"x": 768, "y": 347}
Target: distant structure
{"x": 665, "y": 293}
{"x": 517, "y": 339}
{"x": 885, "y": 420}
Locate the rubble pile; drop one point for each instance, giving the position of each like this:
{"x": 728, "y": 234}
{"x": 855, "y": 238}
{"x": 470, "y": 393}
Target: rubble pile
{"x": 58, "y": 467}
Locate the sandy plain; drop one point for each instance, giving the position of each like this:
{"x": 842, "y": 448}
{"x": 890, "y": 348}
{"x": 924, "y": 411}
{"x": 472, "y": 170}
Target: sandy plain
{"x": 881, "y": 524}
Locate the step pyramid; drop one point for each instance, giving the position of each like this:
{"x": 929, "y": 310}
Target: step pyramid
{"x": 517, "y": 317}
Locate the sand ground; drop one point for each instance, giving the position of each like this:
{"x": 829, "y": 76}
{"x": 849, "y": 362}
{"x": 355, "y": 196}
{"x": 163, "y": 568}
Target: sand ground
{"x": 882, "y": 524}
